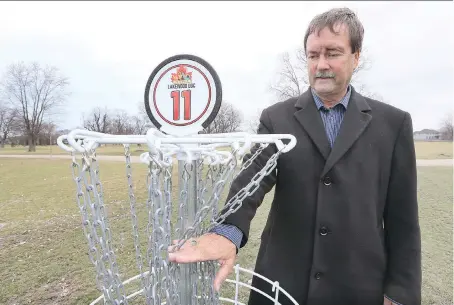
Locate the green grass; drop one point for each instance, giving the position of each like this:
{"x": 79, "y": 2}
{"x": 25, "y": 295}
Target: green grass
{"x": 43, "y": 253}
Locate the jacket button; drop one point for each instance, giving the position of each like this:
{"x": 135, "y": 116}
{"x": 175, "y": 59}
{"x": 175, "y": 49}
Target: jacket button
{"x": 323, "y": 231}
{"x": 318, "y": 275}
{"x": 327, "y": 180}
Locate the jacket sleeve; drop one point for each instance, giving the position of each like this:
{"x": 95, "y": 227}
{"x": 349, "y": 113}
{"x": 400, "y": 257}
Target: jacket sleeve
{"x": 401, "y": 223}
{"x": 243, "y": 216}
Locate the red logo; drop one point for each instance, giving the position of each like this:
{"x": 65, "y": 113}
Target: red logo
{"x": 181, "y": 76}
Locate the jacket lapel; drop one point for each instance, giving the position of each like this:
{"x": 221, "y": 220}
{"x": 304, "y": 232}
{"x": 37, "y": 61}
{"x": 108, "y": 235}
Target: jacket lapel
{"x": 355, "y": 121}
{"x": 309, "y": 117}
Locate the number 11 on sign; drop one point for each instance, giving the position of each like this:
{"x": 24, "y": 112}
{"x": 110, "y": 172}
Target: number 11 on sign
{"x": 186, "y": 95}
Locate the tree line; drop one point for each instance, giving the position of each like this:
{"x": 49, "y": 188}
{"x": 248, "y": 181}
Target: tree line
{"x": 32, "y": 95}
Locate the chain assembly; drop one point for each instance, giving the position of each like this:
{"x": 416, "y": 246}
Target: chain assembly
{"x": 96, "y": 228}
{"x": 174, "y": 215}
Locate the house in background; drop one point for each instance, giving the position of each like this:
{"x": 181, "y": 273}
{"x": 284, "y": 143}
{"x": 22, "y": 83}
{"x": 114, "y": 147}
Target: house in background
{"x": 427, "y": 135}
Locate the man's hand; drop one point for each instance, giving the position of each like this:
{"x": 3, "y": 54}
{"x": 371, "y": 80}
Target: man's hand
{"x": 209, "y": 247}
{"x": 386, "y": 301}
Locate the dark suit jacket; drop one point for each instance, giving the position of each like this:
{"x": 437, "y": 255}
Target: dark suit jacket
{"x": 343, "y": 226}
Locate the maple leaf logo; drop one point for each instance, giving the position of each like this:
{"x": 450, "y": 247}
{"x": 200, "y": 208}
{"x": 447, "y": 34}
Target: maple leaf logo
{"x": 181, "y": 76}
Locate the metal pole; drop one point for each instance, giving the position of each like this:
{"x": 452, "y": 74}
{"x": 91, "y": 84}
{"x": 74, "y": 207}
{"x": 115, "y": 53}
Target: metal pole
{"x": 188, "y": 271}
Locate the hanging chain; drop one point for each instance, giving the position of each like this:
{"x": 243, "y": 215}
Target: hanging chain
{"x": 157, "y": 231}
{"x": 97, "y": 230}
{"x": 236, "y": 201}
{"x": 164, "y": 280}
{"x": 202, "y": 213}
{"x": 248, "y": 162}
{"x": 106, "y": 241}
{"x": 168, "y": 267}
{"x": 135, "y": 228}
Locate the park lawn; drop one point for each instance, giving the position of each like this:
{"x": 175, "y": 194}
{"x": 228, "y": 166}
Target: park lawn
{"x": 424, "y": 150}
{"x": 43, "y": 254}
{"x": 433, "y": 150}
{"x": 108, "y": 150}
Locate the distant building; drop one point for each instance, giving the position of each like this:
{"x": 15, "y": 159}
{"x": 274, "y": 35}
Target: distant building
{"x": 427, "y": 135}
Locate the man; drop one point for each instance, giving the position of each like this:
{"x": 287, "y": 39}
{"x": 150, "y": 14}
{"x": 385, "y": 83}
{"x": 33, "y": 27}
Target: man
{"x": 343, "y": 226}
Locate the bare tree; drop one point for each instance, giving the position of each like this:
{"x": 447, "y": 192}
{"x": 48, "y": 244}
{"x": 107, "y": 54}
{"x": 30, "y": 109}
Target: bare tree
{"x": 361, "y": 88}
{"x": 98, "y": 120}
{"x": 228, "y": 119}
{"x": 37, "y": 92}
{"x": 47, "y": 133}
{"x": 447, "y": 128}
{"x": 9, "y": 123}
{"x": 141, "y": 121}
{"x": 117, "y": 121}
{"x": 254, "y": 121}
{"x": 140, "y": 124}
{"x": 142, "y": 111}
{"x": 292, "y": 78}
{"x": 122, "y": 123}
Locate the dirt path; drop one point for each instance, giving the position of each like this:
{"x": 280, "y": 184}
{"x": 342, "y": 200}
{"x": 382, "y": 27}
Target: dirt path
{"x": 435, "y": 162}
{"x": 135, "y": 159}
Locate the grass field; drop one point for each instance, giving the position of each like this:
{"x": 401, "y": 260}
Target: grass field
{"x": 43, "y": 254}
{"x": 433, "y": 150}
{"x": 111, "y": 150}
{"x": 424, "y": 150}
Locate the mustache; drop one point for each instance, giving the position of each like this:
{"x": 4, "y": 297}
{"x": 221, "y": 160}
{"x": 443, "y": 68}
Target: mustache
{"x": 325, "y": 75}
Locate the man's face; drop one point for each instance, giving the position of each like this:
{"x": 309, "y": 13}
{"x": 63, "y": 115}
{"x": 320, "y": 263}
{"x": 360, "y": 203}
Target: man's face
{"x": 330, "y": 60}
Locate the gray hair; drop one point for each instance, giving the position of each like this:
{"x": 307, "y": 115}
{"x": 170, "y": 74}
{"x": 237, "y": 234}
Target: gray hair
{"x": 338, "y": 16}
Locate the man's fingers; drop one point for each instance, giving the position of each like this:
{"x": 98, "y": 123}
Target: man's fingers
{"x": 173, "y": 245}
{"x": 184, "y": 256}
{"x": 223, "y": 273}
{"x": 209, "y": 247}
{"x": 187, "y": 254}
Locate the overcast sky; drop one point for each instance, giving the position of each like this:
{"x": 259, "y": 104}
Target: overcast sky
{"x": 108, "y": 49}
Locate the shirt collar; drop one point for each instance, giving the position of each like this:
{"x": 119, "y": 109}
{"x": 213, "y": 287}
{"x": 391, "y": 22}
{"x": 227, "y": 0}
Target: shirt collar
{"x": 344, "y": 101}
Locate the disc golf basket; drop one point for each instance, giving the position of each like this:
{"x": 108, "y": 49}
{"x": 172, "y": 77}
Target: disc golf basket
{"x": 207, "y": 163}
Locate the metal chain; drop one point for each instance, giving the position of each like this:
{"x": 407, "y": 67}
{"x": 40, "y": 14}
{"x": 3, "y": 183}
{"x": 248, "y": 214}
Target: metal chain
{"x": 155, "y": 230}
{"x": 182, "y": 212}
{"x": 213, "y": 296}
{"x": 202, "y": 213}
{"x": 168, "y": 286}
{"x": 164, "y": 279}
{"x": 236, "y": 201}
{"x": 97, "y": 230}
{"x": 106, "y": 239}
{"x": 77, "y": 173}
{"x": 135, "y": 227}
{"x": 207, "y": 269}
{"x": 248, "y": 162}
{"x": 163, "y": 283}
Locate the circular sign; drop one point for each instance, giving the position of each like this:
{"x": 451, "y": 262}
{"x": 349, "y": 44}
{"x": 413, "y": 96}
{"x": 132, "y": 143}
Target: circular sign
{"x": 183, "y": 95}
